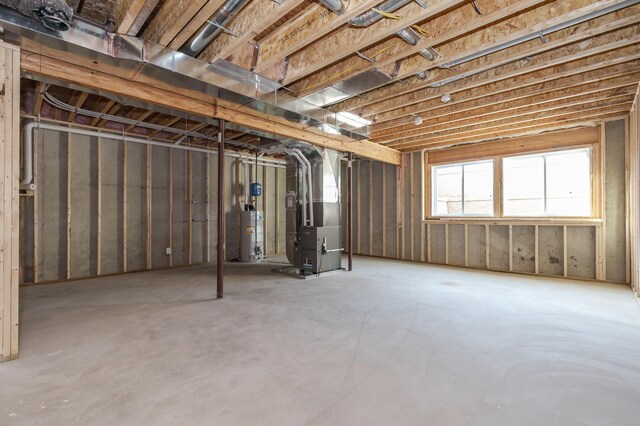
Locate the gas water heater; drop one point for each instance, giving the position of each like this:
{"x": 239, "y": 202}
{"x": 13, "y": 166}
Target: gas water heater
{"x": 251, "y": 235}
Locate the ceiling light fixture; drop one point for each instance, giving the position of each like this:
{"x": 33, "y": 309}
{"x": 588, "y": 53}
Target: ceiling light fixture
{"x": 446, "y": 98}
{"x": 417, "y": 120}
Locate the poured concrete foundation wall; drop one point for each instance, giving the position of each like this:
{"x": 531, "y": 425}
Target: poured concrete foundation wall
{"x": 102, "y": 206}
{"x": 394, "y": 227}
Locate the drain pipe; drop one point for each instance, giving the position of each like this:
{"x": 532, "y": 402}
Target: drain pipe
{"x": 213, "y": 28}
{"x": 27, "y": 146}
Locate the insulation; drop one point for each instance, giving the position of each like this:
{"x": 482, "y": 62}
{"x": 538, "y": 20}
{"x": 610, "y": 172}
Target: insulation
{"x": 54, "y": 14}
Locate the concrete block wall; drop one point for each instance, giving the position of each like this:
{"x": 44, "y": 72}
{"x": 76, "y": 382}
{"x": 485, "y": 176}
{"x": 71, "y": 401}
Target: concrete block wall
{"x": 388, "y": 222}
{"x": 102, "y": 206}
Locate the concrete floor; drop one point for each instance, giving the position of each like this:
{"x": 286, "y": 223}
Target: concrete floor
{"x": 391, "y": 344}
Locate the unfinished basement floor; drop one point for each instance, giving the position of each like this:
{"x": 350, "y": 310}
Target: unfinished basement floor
{"x": 392, "y": 343}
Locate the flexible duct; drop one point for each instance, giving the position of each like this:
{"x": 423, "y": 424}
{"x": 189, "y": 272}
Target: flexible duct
{"x": 27, "y": 145}
{"x": 409, "y": 36}
{"x": 214, "y": 26}
{"x": 336, "y": 6}
{"x": 371, "y": 16}
{"x": 56, "y": 15}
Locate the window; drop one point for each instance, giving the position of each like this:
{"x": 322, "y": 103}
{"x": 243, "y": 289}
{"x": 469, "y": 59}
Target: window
{"x": 463, "y": 189}
{"x": 550, "y": 184}
{"x": 546, "y": 184}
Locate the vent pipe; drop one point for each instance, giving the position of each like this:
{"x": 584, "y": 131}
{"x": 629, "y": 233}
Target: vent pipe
{"x": 214, "y": 26}
{"x": 336, "y": 6}
{"x": 371, "y": 16}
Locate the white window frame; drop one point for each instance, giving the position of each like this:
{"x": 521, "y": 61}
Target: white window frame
{"x": 434, "y": 186}
{"x": 544, "y": 155}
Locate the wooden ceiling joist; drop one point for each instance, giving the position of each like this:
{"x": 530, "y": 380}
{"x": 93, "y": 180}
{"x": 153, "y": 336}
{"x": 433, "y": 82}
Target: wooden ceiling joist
{"x": 348, "y": 40}
{"x": 571, "y": 115}
{"x": 173, "y": 16}
{"x": 77, "y": 102}
{"x": 526, "y": 95}
{"x": 190, "y": 101}
{"x": 301, "y": 32}
{"x": 507, "y": 89}
{"x": 257, "y": 16}
{"x": 126, "y": 12}
{"x": 487, "y": 119}
{"x": 398, "y": 96}
{"x": 195, "y": 24}
{"x": 440, "y": 30}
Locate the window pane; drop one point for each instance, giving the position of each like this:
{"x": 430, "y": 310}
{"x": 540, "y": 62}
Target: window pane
{"x": 523, "y": 186}
{"x": 447, "y": 190}
{"x": 569, "y": 184}
{"x": 478, "y": 189}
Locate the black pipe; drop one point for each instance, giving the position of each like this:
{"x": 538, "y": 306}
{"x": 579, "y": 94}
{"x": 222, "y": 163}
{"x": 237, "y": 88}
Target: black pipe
{"x": 350, "y": 210}
{"x": 221, "y": 240}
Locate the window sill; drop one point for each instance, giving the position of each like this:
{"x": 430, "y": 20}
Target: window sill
{"x": 515, "y": 220}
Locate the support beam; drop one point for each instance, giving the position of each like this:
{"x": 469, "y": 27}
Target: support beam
{"x": 350, "y": 210}
{"x": 315, "y": 23}
{"x": 9, "y": 201}
{"x": 255, "y": 18}
{"x": 349, "y": 40}
{"x": 221, "y": 249}
{"x": 77, "y": 102}
{"x": 415, "y": 90}
{"x": 440, "y": 31}
{"x": 195, "y": 102}
{"x": 126, "y": 12}
{"x": 195, "y": 24}
{"x": 40, "y": 89}
{"x": 172, "y": 17}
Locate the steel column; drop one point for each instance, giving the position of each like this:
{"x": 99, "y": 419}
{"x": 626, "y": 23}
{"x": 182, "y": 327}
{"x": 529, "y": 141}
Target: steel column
{"x": 350, "y": 210}
{"x": 221, "y": 236}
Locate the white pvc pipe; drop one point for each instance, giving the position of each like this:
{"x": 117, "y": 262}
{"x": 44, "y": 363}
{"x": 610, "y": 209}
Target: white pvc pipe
{"x": 27, "y": 145}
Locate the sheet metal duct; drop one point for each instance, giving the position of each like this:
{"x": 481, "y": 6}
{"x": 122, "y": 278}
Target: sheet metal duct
{"x": 336, "y": 6}
{"x": 144, "y": 58}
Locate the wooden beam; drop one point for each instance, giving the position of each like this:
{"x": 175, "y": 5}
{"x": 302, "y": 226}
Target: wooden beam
{"x": 168, "y": 122}
{"x": 440, "y": 30}
{"x": 40, "y": 89}
{"x": 574, "y": 121}
{"x": 463, "y": 113}
{"x": 78, "y": 102}
{"x": 539, "y": 19}
{"x": 349, "y": 40}
{"x": 535, "y": 119}
{"x": 114, "y": 109}
{"x": 187, "y": 30}
{"x": 559, "y": 77}
{"x": 399, "y": 95}
{"x": 547, "y": 107}
{"x": 302, "y": 31}
{"x": 172, "y": 17}
{"x": 104, "y": 110}
{"x": 10, "y": 201}
{"x": 255, "y": 18}
{"x": 195, "y": 102}
{"x": 125, "y": 13}
{"x": 143, "y": 116}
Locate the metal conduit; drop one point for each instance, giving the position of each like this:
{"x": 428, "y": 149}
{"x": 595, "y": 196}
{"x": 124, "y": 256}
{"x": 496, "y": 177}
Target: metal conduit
{"x": 27, "y": 145}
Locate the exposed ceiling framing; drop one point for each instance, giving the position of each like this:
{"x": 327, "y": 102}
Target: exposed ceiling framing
{"x": 583, "y": 65}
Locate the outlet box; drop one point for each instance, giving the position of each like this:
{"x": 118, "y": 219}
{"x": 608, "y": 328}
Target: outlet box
{"x": 168, "y": 250}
